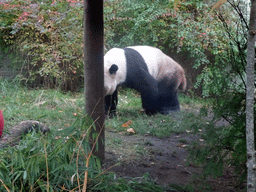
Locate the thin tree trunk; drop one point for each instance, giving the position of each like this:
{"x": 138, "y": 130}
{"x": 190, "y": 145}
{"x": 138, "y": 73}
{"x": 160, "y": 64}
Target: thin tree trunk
{"x": 94, "y": 70}
{"x": 251, "y": 180}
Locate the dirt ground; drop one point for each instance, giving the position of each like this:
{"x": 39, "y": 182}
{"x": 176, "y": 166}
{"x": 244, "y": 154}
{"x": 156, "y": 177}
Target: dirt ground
{"x": 165, "y": 160}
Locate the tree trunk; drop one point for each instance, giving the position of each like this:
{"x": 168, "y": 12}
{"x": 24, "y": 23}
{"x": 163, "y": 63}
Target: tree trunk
{"x": 94, "y": 70}
{"x": 251, "y": 166}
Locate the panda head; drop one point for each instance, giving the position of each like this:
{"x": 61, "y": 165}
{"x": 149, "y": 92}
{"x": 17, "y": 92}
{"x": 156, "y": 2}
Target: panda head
{"x": 110, "y": 82}
{"x": 115, "y": 69}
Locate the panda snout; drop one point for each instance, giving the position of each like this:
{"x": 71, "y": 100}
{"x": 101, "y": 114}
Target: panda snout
{"x": 104, "y": 92}
{"x": 106, "y": 89}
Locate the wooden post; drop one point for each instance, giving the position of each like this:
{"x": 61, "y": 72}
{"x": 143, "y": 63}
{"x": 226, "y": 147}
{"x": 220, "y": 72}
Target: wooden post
{"x": 94, "y": 68}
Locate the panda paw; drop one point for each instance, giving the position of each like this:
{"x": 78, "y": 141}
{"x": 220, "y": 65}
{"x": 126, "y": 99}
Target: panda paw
{"x": 167, "y": 111}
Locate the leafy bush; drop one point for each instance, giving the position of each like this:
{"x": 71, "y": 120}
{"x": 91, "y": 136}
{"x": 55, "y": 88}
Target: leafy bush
{"x": 136, "y": 22}
{"x": 46, "y": 40}
{"x": 226, "y": 145}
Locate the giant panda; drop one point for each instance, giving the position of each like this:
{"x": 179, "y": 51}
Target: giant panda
{"x": 148, "y": 70}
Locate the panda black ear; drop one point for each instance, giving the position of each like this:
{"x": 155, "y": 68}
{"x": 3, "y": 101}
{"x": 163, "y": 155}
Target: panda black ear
{"x": 113, "y": 69}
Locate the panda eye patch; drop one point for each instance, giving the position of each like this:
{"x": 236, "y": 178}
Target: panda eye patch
{"x": 113, "y": 69}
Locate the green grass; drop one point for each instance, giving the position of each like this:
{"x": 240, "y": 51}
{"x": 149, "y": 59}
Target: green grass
{"x": 129, "y": 108}
{"x": 51, "y": 107}
{"x": 58, "y": 110}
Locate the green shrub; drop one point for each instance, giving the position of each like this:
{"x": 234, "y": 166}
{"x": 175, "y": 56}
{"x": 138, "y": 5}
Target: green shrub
{"x": 46, "y": 41}
{"x": 225, "y": 145}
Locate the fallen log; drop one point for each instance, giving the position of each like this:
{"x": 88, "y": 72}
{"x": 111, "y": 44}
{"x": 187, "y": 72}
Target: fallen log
{"x": 16, "y": 132}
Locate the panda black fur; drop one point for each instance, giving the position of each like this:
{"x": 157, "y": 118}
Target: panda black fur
{"x": 147, "y": 69}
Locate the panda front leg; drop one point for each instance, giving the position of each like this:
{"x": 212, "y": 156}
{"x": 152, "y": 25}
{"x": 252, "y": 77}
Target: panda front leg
{"x": 148, "y": 88}
{"x": 149, "y": 103}
{"x": 111, "y": 103}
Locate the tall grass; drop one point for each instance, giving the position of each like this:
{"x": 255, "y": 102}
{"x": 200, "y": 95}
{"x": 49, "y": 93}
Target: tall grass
{"x": 60, "y": 161}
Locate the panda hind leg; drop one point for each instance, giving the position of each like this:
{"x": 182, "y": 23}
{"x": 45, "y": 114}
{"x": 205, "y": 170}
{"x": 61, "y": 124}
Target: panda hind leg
{"x": 168, "y": 97}
{"x": 167, "y": 109}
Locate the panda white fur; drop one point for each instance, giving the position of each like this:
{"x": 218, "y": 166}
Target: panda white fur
{"x": 147, "y": 69}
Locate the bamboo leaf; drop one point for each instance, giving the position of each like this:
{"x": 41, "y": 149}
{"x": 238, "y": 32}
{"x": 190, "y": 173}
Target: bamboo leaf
{"x": 25, "y": 175}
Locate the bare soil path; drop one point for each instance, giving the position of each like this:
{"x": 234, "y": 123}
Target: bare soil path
{"x": 165, "y": 159}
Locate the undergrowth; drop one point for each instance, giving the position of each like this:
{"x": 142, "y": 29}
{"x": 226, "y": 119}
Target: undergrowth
{"x": 60, "y": 160}
{"x": 62, "y": 163}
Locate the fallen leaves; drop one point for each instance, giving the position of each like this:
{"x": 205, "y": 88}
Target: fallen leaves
{"x": 130, "y": 130}
{"x": 127, "y": 124}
